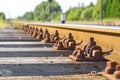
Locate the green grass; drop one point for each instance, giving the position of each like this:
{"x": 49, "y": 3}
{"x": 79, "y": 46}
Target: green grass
{"x": 2, "y": 24}
{"x": 111, "y": 20}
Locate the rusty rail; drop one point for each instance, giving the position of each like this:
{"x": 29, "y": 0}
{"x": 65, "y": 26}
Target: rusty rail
{"x": 106, "y": 37}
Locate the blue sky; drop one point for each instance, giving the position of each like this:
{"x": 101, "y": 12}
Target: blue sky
{"x": 14, "y": 8}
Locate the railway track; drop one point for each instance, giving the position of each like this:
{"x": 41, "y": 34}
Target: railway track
{"x": 106, "y": 36}
{"x": 22, "y": 57}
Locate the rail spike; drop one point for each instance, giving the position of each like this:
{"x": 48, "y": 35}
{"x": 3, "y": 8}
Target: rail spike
{"x": 40, "y": 34}
{"x": 46, "y": 36}
{"x": 90, "y": 52}
{"x": 31, "y": 31}
{"x": 112, "y": 69}
{"x": 35, "y": 33}
{"x": 26, "y": 28}
{"x": 68, "y": 43}
{"x": 45, "y": 32}
{"x": 55, "y": 37}
{"x": 116, "y": 74}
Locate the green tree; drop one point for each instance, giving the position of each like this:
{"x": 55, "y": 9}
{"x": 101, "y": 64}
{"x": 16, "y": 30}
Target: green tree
{"x": 91, "y": 4}
{"x": 113, "y": 9}
{"x": 41, "y": 12}
{"x": 28, "y": 16}
{"x": 80, "y": 13}
{"x": 56, "y": 16}
{"x": 73, "y": 14}
{"x": 110, "y": 9}
{"x": 2, "y": 16}
{"x": 87, "y": 13}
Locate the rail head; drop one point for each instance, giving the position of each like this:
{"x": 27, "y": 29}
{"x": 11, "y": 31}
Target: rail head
{"x": 107, "y": 30}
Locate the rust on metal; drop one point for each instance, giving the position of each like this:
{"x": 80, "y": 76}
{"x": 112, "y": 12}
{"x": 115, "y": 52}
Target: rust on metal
{"x": 116, "y": 74}
{"x": 78, "y": 55}
{"x": 58, "y": 45}
{"x": 31, "y": 31}
{"x": 45, "y": 32}
{"x": 55, "y": 37}
{"x": 91, "y": 52}
{"x": 35, "y": 33}
{"x": 40, "y": 34}
{"x": 110, "y": 67}
{"x": 47, "y": 38}
{"x": 68, "y": 43}
{"x": 112, "y": 70}
{"x": 107, "y": 38}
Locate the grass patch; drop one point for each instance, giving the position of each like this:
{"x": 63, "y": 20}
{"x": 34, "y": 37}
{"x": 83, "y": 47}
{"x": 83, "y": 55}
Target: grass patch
{"x": 16, "y": 23}
{"x": 111, "y": 20}
{"x": 3, "y": 23}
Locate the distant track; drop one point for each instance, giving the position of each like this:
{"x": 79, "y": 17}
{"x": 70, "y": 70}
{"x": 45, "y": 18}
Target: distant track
{"x": 76, "y": 25}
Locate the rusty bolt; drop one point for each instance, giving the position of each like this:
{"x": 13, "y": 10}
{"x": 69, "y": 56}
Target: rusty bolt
{"x": 69, "y": 42}
{"x": 41, "y": 30}
{"x": 97, "y": 55}
{"x": 56, "y": 33}
{"x": 90, "y": 45}
{"x": 75, "y": 52}
{"x": 55, "y": 37}
{"x": 117, "y": 68}
{"x": 70, "y": 35}
{"x": 95, "y": 47}
{"x": 80, "y": 54}
{"x": 92, "y": 42}
{"x": 46, "y": 32}
{"x": 35, "y": 32}
{"x": 91, "y": 39}
{"x": 39, "y": 34}
{"x": 71, "y": 45}
{"x": 47, "y": 38}
{"x": 117, "y": 74}
{"x": 110, "y": 67}
{"x": 59, "y": 46}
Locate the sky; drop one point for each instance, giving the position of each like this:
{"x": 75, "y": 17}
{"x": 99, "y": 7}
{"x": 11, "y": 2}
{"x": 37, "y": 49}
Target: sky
{"x": 14, "y": 8}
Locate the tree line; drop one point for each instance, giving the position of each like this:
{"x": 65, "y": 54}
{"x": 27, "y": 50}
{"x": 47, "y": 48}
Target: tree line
{"x": 110, "y": 10}
{"x": 51, "y": 10}
{"x": 44, "y": 11}
{"x": 2, "y": 16}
